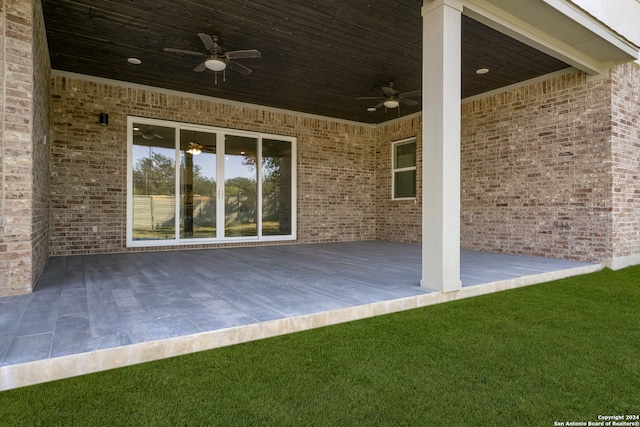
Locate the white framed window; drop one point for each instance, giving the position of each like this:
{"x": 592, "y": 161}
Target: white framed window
{"x": 403, "y": 175}
{"x": 189, "y": 184}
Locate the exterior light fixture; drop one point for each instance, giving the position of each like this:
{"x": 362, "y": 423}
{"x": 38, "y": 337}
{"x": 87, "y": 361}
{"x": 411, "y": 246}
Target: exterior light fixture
{"x": 134, "y": 61}
{"x": 104, "y": 119}
{"x": 482, "y": 71}
{"x": 371, "y": 109}
{"x": 391, "y": 103}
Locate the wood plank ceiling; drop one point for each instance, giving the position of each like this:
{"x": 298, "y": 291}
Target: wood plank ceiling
{"x": 318, "y": 56}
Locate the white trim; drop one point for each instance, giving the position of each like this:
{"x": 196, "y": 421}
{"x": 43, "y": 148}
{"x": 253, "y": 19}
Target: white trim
{"x": 128, "y": 204}
{"x": 177, "y": 180}
{"x": 220, "y": 237}
{"x": 122, "y": 83}
{"x": 585, "y": 19}
{"x": 430, "y": 5}
{"x": 394, "y": 170}
{"x": 259, "y": 185}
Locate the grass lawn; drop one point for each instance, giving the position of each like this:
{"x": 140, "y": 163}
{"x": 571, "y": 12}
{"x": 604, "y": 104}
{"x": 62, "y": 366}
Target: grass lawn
{"x": 562, "y": 351}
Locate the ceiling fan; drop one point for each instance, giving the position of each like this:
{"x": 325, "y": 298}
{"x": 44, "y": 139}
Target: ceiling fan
{"x": 194, "y": 148}
{"x": 393, "y": 98}
{"x": 146, "y": 132}
{"x": 218, "y": 59}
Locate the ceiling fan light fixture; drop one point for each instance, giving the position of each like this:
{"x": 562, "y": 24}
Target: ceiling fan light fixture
{"x": 215, "y": 64}
{"x": 391, "y": 103}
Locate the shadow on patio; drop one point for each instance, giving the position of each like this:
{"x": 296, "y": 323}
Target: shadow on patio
{"x": 97, "y": 312}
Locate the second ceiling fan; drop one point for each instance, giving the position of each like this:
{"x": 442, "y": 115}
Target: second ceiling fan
{"x": 393, "y": 98}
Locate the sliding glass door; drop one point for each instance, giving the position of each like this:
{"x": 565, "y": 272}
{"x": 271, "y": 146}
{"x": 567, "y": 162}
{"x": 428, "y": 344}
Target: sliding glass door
{"x": 152, "y": 197}
{"x": 198, "y": 184}
{"x": 195, "y": 184}
{"x": 240, "y": 186}
{"x": 276, "y": 187}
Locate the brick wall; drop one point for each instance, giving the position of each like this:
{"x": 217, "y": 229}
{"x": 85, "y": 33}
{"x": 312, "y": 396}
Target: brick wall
{"x": 41, "y": 124}
{"x": 19, "y": 263}
{"x": 397, "y": 220}
{"x": 534, "y": 158}
{"x": 88, "y": 162}
{"x": 625, "y": 155}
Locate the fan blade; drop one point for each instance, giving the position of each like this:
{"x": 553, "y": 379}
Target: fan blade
{"x": 208, "y": 42}
{"x": 158, "y": 136}
{"x": 370, "y": 97}
{"x": 379, "y": 105}
{"x": 184, "y": 52}
{"x": 414, "y": 93}
{"x": 239, "y": 68}
{"x": 409, "y": 102}
{"x": 389, "y": 91}
{"x": 200, "y": 68}
{"x": 243, "y": 54}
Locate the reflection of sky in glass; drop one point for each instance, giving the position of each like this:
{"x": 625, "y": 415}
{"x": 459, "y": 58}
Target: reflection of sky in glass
{"x": 234, "y": 168}
{"x": 144, "y": 152}
{"x": 207, "y": 161}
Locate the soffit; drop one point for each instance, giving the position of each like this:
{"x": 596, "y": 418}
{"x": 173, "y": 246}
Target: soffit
{"x": 564, "y": 22}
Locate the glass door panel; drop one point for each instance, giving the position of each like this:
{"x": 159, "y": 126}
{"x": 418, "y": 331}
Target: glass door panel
{"x": 240, "y": 185}
{"x": 198, "y": 185}
{"x": 276, "y": 187}
{"x": 153, "y": 198}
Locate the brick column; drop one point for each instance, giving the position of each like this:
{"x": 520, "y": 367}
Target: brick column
{"x": 17, "y": 152}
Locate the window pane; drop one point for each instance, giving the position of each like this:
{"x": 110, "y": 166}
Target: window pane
{"x": 405, "y": 184}
{"x": 405, "y": 155}
{"x": 153, "y": 182}
{"x": 240, "y": 184}
{"x": 198, "y": 184}
{"x": 276, "y": 187}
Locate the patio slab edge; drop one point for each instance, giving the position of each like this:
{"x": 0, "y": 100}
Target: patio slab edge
{"x": 40, "y": 371}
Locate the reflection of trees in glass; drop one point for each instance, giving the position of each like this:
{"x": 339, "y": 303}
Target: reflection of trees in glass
{"x": 156, "y": 175}
{"x": 240, "y": 203}
{"x": 276, "y": 188}
{"x": 270, "y": 172}
{"x": 202, "y": 184}
{"x": 271, "y": 175}
{"x": 240, "y": 185}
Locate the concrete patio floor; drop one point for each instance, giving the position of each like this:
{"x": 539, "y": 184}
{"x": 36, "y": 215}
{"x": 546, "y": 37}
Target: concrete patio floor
{"x": 96, "y": 312}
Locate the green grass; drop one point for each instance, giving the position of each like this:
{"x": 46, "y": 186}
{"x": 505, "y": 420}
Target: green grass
{"x": 561, "y": 351}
